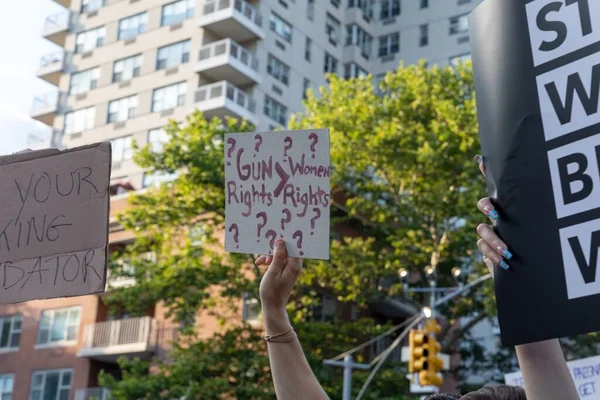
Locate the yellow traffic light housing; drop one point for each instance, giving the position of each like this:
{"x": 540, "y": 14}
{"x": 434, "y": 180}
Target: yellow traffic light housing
{"x": 417, "y": 340}
{"x": 423, "y": 354}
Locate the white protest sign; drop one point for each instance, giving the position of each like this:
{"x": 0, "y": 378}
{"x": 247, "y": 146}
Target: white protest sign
{"x": 277, "y": 186}
{"x": 585, "y": 373}
{"x": 54, "y": 211}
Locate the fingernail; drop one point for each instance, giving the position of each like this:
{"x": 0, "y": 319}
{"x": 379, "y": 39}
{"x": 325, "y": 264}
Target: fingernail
{"x": 280, "y": 244}
{"x": 504, "y": 265}
{"x": 505, "y": 253}
{"x": 478, "y": 159}
{"x": 491, "y": 212}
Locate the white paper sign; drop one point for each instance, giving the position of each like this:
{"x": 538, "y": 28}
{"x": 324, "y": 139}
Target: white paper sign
{"x": 277, "y": 186}
{"x": 585, "y": 373}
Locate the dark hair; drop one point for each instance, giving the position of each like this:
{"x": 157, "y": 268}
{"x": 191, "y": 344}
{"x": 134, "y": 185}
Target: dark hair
{"x": 497, "y": 393}
{"x": 442, "y": 396}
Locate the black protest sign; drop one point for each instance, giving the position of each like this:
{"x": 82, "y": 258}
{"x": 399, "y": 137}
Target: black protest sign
{"x": 537, "y": 78}
{"x": 54, "y": 211}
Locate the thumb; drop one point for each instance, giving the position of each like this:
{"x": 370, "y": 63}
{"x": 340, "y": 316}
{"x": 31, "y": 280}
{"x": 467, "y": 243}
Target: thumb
{"x": 279, "y": 257}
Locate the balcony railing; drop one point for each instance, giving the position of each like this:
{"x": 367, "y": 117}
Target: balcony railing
{"x": 52, "y": 59}
{"x": 225, "y": 89}
{"x": 211, "y": 6}
{"x": 96, "y": 393}
{"x": 57, "y": 22}
{"x": 104, "y": 335}
{"x": 47, "y": 102}
{"x": 231, "y": 47}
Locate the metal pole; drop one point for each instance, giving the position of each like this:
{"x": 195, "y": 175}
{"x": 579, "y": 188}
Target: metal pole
{"x": 432, "y": 300}
{"x": 347, "y": 393}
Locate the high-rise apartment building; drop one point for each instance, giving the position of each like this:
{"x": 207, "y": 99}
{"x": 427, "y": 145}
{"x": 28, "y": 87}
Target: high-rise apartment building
{"x": 126, "y": 67}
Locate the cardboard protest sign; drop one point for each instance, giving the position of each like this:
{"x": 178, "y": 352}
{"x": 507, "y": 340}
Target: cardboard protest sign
{"x": 537, "y": 79}
{"x": 585, "y": 373}
{"x": 277, "y": 186}
{"x": 54, "y": 210}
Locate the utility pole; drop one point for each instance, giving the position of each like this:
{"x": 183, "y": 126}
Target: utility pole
{"x": 348, "y": 364}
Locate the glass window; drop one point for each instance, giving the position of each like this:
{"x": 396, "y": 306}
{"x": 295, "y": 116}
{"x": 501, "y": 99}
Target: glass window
{"x": 332, "y": 29}
{"x": 355, "y": 35}
{"x": 280, "y": 27}
{"x": 177, "y": 11}
{"x": 169, "y": 97}
{"x": 305, "y": 87}
{"x": 308, "y": 49}
{"x": 10, "y": 331}
{"x": 390, "y": 8}
{"x": 424, "y": 4}
{"x": 351, "y": 70}
{"x": 122, "y": 148}
{"x": 251, "y": 310}
{"x": 173, "y": 54}
{"x": 132, "y": 26}
{"x": 275, "y": 110}
{"x": 424, "y": 35}
{"x": 59, "y": 326}
{"x": 278, "y": 70}
{"x": 389, "y": 44}
{"x": 84, "y": 81}
{"x": 127, "y": 68}
{"x": 310, "y": 11}
{"x": 459, "y": 24}
{"x": 157, "y": 138}
{"x": 89, "y": 40}
{"x": 330, "y": 63}
{"x": 89, "y": 6}
{"x": 52, "y": 384}
{"x": 122, "y": 109}
{"x": 366, "y": 6}
{"x": 6, "y": 386}
{"x": 79, "y": 120}
{"x": 158, "y": 178}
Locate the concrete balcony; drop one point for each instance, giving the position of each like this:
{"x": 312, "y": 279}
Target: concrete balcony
{"x": 107, "y": 341}
{"x": 46, "y": 107}
{"x": 96, "y": 393}
{"x": 225, "y": 99}
{"x": 235, "y": 19}
{"x": 227, "y": 60}
{"x": 51, "y": 67}
{"x": 64, "y": 3}
{"x": 57, "y": 26}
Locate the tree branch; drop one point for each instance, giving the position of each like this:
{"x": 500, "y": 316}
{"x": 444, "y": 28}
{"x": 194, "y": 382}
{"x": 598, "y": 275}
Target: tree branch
{"x": 457, "y": 334}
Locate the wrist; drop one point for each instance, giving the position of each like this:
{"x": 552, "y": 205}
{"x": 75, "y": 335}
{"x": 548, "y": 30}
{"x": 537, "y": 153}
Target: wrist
{"x": 276, "y": 320}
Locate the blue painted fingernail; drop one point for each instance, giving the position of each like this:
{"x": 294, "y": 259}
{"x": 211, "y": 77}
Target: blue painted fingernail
{"x": 505, "y": 253}
{"x": 493, "y": 214}
{"x": 504, "y": 265}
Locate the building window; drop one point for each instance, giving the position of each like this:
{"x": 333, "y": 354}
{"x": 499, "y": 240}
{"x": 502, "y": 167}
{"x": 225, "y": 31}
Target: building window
{"x": 355, "y": 35}
{"x": 308, "y": 49}
{"x": 122, "y": 109}
{"x": 157, "y": 138}
{"x": 251, "y": 311}
{"x": 278, "y": 70}
{"x": 132, "y": 26}
{"x": 156, "y": 179}
{"x": 280, "y": 27}
{"x": 332, "y": 29}
{"x": 59, "y": 326}
{"x": 6, "y": 386}
{"x": 79, "y": 120}
{"x": 459, "y": 24}
{"x": 325, "y": 310}
{"x": 10, "y": 333}
{"x": 305, "y": 87}
{"x": 389, "y": 44}
{"x": 424, "y": 35}
{"x": 173, "y": 54}
{"x": 122, "y": 149}
{"x": 330, "y": 64}
{"x": 275, "y": 111}
{"x": 169, "y": 97}
{"x": 127, "y": 68}
{"x": 335, "y": 3}
{"x": 310, "y": 10}
{"x": 52, "y": 384}
{"x": 88, "y": 6}
{"x": 366, "y": 6}
{"x": 390, "y": 8}
{"x": 89, "y": 40}
{"x": 176, "y": 12}
{"x": 351, "y": 70}
{"x": 460, "y": 59}
{"x": 424, "y": 4}
{"x": 84, "y": 81}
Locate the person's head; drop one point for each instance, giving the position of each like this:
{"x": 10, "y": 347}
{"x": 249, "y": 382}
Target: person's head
{"x": 442, "y": 396}
{"x": 487, "y": 393}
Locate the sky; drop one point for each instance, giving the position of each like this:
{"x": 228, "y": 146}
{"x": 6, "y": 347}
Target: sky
{"x": 21, "y": 46}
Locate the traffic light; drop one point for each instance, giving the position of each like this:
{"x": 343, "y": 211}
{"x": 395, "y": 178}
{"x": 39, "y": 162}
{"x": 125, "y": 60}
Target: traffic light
{"x": 433, "y": 364}
{"x": 417, "y": 352}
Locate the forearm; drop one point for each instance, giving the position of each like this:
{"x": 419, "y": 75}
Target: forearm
{"x": 545, "y": 371}
{"x": 292, "y": 376}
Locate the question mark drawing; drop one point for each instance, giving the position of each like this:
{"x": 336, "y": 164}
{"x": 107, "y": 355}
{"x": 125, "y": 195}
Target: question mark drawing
{"x": 259, "y": 141}
{"x": 287, "y": 219}
{"x": 230, "y": 141}
{"x": 298, "y": 234}
{"x": 313, "y": 219}
{"x": 315, "y": 139}
{"x": 236, "y": 235}
{"x": 288, "y": 141}
{"x": 259, "y": 227}
{"x": 271, "y": 234}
